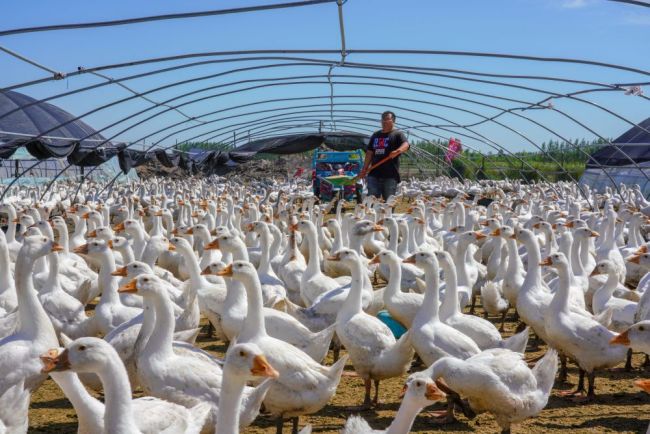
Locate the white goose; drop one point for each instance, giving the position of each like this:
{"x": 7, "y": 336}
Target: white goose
{"x": 32, "y": 336}
{"x": 479, "y": 330}
{"x": 418, "y": 393}
{"x": 291, "y": 395}
{"x": 92, "y": 355}
{"x": 569, "y": 331}
{"x": 500, "y": 382}
{"x": 431, "y": 338}
{"x": 374, "y": 352}
{"x": 186, "y": 378}
{"x": 402, "y": 306}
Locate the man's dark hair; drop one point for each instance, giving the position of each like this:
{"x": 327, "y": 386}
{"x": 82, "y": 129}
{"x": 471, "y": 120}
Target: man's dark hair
{"x": 388, "y": 112}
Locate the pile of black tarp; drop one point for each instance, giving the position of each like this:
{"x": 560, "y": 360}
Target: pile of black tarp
{"x": 47, "y": 131}
{"x": 631, "y": 147}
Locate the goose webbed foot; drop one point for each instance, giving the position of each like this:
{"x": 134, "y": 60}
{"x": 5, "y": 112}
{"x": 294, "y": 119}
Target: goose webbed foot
{"x": 375, "y": 401}
{"x": 503, "y": 321}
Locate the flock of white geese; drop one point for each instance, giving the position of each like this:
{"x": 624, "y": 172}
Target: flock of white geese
{"x": 106, "y": 292}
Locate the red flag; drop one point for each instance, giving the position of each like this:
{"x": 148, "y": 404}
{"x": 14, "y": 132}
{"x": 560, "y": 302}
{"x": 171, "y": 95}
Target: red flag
{"x": 299, "y": 172}
{"x": 453, "y": 149}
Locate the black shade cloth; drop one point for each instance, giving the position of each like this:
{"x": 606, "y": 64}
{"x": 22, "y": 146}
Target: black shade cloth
{"x": 130, "y": 158}
{"x": 88, "y": 157}
{"x": 296, "y": 143}
{"x": 632, "y": 146}
{"x": 22, "y": 126}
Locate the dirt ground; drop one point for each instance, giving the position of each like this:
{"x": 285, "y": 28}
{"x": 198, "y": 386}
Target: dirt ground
{"x": 620, "y": 406}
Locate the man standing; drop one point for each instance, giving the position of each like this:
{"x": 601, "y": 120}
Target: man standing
{"x": 386, "y": 144}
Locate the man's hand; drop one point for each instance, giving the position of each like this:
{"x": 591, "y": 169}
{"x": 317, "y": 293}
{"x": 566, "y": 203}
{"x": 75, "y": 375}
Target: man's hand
{"x": 395, "y": 153}
{"x": 363, "y": 173}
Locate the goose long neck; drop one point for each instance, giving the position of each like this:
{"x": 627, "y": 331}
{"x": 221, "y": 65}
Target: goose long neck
{"x": 192, "y": 266}
{"x": 232, "y": 387}
{"x": 108, "y": 284}
{"x": 560, "y": 300}
{"x": 162, "y": 335}
{"x": 265, "y": 264}
{"x": 254, "y": 324}
{"x": 576, "y": 263}
{"x": 404, "y": 418}
{"x": 11, "y": 226}
{"x": 337, "y": 244}
{"x": 514, "y": 260}
{"x": 533, "y": 272}
{"x": 462, "y": 253}
{"x": 393, "y": 236}
{"x": 450, "y": 304}
{"x": 64, "y": 239}
{"x": 313, "y": 266}
{"x": 353, "y": 304}
{"x": 85, "y": 405}
{"x": 356, "y": 243}
{"x": 431, "y": 302}
{"x": 53, "y": 273}
{"x": 33, "y": 321}
{"x": 394, "y": 279}
{"x": 127, "y": 255}
{"x": 118, "y": 414}
{"x": 6, "y": 281}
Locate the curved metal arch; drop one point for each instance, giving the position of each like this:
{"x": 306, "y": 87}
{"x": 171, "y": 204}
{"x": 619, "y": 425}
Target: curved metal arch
{"x": 503, "y": 110}
{"x": 415, "y": 90}
{"x": 367, "y": 51}
{"x": 510, "y": 110}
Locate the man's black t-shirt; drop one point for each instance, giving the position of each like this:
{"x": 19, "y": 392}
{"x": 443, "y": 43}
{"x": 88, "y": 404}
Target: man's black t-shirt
{"x": 383, "y": 144}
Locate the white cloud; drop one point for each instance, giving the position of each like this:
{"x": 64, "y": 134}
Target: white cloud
{"x": 575, "y": 4}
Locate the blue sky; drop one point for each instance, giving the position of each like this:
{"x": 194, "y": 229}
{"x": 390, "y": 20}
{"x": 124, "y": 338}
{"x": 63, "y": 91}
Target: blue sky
{"x": 586, "y": 29}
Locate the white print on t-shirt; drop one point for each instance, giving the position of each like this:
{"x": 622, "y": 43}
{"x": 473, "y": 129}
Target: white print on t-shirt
{"x": 380, "y": 145}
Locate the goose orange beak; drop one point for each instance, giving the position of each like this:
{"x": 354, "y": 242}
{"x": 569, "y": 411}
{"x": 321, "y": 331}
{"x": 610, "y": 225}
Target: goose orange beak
{"x": 643, "y": 249}
{"x": 643, "y": 385}
{"x": 433, "y": 393}
{"x": 262, "y": 368}
{"x": 213, "y": 245}
{"x": 570, "y": 224}
{"x": 53, "y": 361}
{"x": 409, "y": 260}
{"x": 621, "y": 339}
{"x": 171, "y": 247}
{"x": 536, "y": 226}
{"x": 335, "y": 257}
{"x": 190, "y": 231}
{"x": 635, "y": 259}
{"x": 119, "y": 227}
{"x": 377, "y": 228}
{"x": 82, "y": 249}
{"x": 403, "y": 392}
{"x": 547, "y": 261}
{"x": 250, "y": 227}
{"x": 92, "y": 234}
{"x": 85, "y": 216}
{"x": 293, "y": 228}
{"x": 484, "y": 223}
{"x": 158, "y": 214}
{"x": 375, "y": 260}
{"x": 227, "y": 272}
{"x": 120, "y": 272}
{"x": 479, "y": 235}
{"x": 595, "y": 272}
{"x": 56, "y": 247}
{"x": 594, "y": 234}
{"x": 110, "y": 244}
{"x": 206, "y": 271}
{"x": 496, "y": 232}
{"x": 129, "y": 288}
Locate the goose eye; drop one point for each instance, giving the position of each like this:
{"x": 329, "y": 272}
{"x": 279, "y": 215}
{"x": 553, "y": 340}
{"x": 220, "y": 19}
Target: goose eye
{"x": 242, "y": 353}
{"x": 418, "y": 384}
{"x": 146, "y": 279}
{"x": 82, "y": 348}
{"x": 641, "y": 328}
